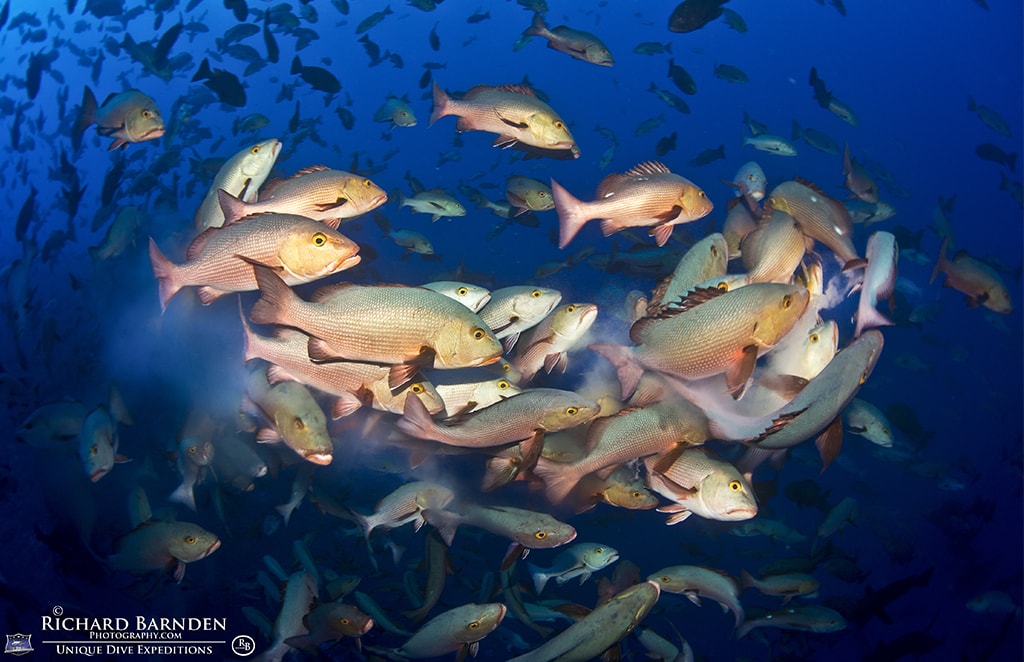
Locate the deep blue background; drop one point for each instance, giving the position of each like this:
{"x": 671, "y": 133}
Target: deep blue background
{"x": 906, "y": 68}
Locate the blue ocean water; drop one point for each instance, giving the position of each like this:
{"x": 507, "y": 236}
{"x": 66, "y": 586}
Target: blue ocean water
{"x": 949, "y": 503}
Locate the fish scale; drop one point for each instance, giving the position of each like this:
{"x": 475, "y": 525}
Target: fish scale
{"x": 715, "y": 331}
{"x": 315, "y": 193}
{"x": 820, "y": 217}
{"x": 772, "y": 251}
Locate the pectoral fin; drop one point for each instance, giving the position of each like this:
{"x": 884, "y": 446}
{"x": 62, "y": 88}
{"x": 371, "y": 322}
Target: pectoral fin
{"x": 739, "y": 372}
{"x": 829, "y": 442}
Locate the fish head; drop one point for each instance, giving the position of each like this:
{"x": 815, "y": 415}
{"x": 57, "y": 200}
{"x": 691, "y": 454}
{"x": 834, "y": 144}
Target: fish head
{"x": 633, "y": 495}
{"x": 465, "y": 343}
{"x": 596, "y": 557}
{"x": 549, "y": 131}
{"x": 728, "y": 496}
{"x": 479, "y": 621}
{"x": 819, "y": 347}
{"x": 541, "y": 531}
{"x": 998, "y": 300}
{"x": 142, "y": 120}
{"x": 347, "y": 620}
{"x": 188, "y": 542}
{"x": 196, "y": 451}
{"x": 781, "y": 308}
{"x": 568, "y": 410}
{"x": 362, "y": 195}
{"x": 394, "y": 400}
{"x": 257, "y": 160}
{"x": 751, "y": 181}
{"x": 574, "y": 319}
{"x": 693, "y": 202}
{"x": 599, "y": 54}
{"x": 97, "y": 443}
{"x": 304, "y": 429}
{"x": 313, "y": 250}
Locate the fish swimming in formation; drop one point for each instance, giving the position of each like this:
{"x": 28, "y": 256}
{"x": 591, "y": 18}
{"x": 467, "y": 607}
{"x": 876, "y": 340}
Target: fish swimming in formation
{"x": 128, "y": 117}
{"x": 575, "y": 43}
{"x": 978, "y": 281}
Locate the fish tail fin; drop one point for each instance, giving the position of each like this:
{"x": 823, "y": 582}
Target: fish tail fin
{"x": 537, "y": 27}
{"x": 276, "y": 298}
{"x": 743, "y": 628}
{"x": 86, "y": 116}
{"x": 746, "y": 580}
{"x": 441, "y": 104}
{"x": 868, "y": 317}
{"x": 185, "y": 496}
{"x": 233, "y": 208}
{"x": 558, "y": 481}
{"x": 366, "y": 525}
{"x": 416, "y": 421}
{"x": 445, "y": 523}
{"x": 204, "y": 71}
{"x": 540, "y": 579}
{"x": 626, "y": 368}
{"x": 285, "y": 511}
{"x": 164, "y": 271}
{"x": 940, "y": 263}
{"x": 296, "y": 65}
{"x": 571, "y": 215}
{"x": 249, "y": 337}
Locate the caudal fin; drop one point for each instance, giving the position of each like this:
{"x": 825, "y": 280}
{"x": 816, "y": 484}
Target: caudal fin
{"x": 571, "y": 216}
{"x": 86, "y": 116}
{"x": 940, "y": 263}
{"x": 441, "y": 101}
{"x": 620, "y": 356}
{"x": 868, "y": 317}
{"x": 416, "y": 421}
{"x": 558, "y": 479}
{"x": 539, "y": 578}
{"x": 163, "y": 271}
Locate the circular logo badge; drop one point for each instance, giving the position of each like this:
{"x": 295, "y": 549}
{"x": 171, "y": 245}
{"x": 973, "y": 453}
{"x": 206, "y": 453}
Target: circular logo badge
{"x": 243, "y": 645}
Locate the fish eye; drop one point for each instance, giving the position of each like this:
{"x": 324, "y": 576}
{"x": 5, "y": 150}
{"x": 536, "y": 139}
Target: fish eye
{"x": 571, "y": 307}
{"x": 416, "y": 388}
{"x": 540, "y": 535}
{"x": 714, "y": 250}
{"x": 503, "y": 385}
{"x": 191, "y": 540}
{"x": 255, "y": 149}
{"x": 636, "y": 494}
{"x": 885, "y": 430}
{"x": 192, "y": 450}
{"x": 299, "y": 425}
{"x": 599, "y": 551}
{"x": 701, "y": 194}
{"x": 343, "y": 621}
{"x": 542, "y": 194}
{"x": 787, "y": 301}
{"x": 724, "y": 286}
{"x": 571, "y": 411}
{"x": 319, "y": 239}
{"x": 94, "y": 450}
{"x": 462, "y": 291}
{"x": 735, "y": 486}
{"x": 559, "y": 125}
{"x": 750, "y": 177}
{"x": 479, "y": 333}
{"x": 535, "y": 294}
{"x": 367, "y": 183}
{"x": 863, "y": 377}
{"x": 506, "y": 367}
{"x": 665, "y": 579}
{"x": 474, "y": 625}
{"x": 147, "y": 114}
{"x": 813, "y": 338}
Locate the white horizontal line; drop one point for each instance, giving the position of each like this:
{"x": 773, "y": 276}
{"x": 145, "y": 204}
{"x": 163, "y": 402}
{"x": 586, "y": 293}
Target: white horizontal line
{"x": 165, "y": 642}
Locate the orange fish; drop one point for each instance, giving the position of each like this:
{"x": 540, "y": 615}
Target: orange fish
{"x": 974, "y": 278}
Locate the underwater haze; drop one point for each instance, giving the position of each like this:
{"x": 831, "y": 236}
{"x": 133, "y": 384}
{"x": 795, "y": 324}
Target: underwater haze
{"x": 231, "y": 405}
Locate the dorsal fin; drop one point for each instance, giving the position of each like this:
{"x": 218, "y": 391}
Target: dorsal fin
{"x": 322, "y": 294}
{"x": 309, "y": 170}
{"x": 811, "y": 185}
{"x": 518, "y": 88}
{"x": 648, "y": 168}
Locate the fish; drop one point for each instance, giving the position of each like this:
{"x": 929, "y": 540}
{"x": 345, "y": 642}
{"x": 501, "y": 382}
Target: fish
{"x": 478, "y": 17}
{"x": 647, "y": 195}
{"x": 750, "y": 183}
{"x": 163, "y": 546}
{"x": 127, "y": 117}
{"x": 879, "y": 281}
{"x": 241, "y": 176}
{"x": 316, "y": 192}
{"x": 318, "y": 77}
{"x": 373, "y": 19}
{"x": 223, "y": 83}
{"x": 700, "y": 484}
{"x": 682, "y": 79}
{"x": 390, "y": 324}
{"x": 770, "y": 143}
{"x": 868, "y": 214}
{"x": 623, "y": 488}
{"x": 517, "y": 308}
{"x": 773, "y": 250}
{"x": 707, "y": 156}
{"x": 438, "y": 565}
{"x": 671, "y": 99}
{"x": 821, "y": 218}
{"x": 98, "y": 442}
{"x": 789, "y": 585}
{"x": 666, "y": 144}
{"x": 979, "y": 282}
{"x": 437, "y": 203}
{"x": 471, "y": 296}
{"x": 397, "y": 111}
{"x": 993, "y": 602}
{"x": 990, "y": 117}
{"x": 524, "y": 416}
{"x": 220, "y": 260}
{"x": 731, "y": 74}
{"x": 863, "y": 418}
{"x": 810, "y": 618}
{"x": 547, "y": 345}
{"x": 734, "y": 20}
{"x": 512, "y": 111}
{"x": 120, "y": 234}
{"x": 527, "y": 194}
{"x": 457, "y": 630}
{"x": 55, "y": 422}
{"x": 777, "y": 531}
{"x": 526, "y": 528}
{"x": 709, "y": 332}
{"x": 805, "y": 354}
{"x": 602, "y": 628}
{"x": 819, "y": 140}
{"x": 405, "y": 505}
{"x": 580, "y": 560}
{"x": 858, "y": 179}
{"x": 328, "y": 623}
{"x": 194, "y": 457}
{"x": 294, "y": 417}
{"x": 575, "y": 43}
{"x": 412, "y": 241}
{"x": 706, "y": 259}
{"x": 696, "y": 582}
{"x": 652, "y": 48}
{"x": 298, "y": 598}
{"x": 691, "y": 15}
{"x": 837, "y": 517}
{"x": 995, "y": 154}
{"x": 632, "y": 433}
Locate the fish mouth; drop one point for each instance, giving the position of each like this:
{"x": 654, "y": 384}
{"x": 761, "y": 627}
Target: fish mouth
{"x": 153, "y": 134}
{"x": 345, "y": 263}
{"x": 323, "y": 459}
{"x": 743, "y": 512}
{"x": 367, "y": 627}
{"x": 378, "y": 201}
{"x": 99, "y": 473}
{"x": 212, "y": 548}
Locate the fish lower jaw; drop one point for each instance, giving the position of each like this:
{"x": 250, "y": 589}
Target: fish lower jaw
{"x": 322, "y": 459}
